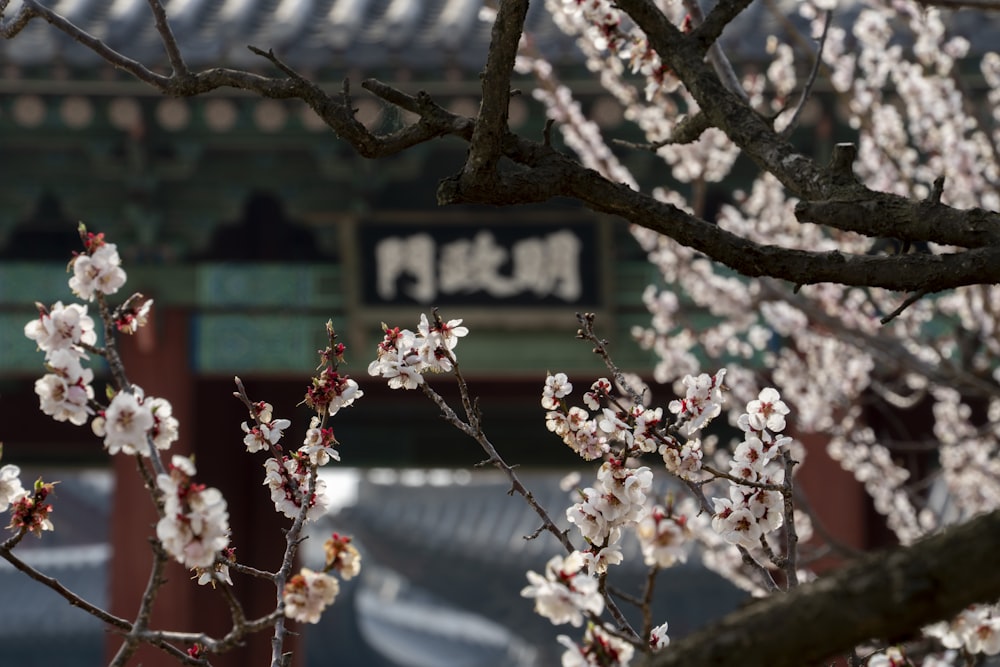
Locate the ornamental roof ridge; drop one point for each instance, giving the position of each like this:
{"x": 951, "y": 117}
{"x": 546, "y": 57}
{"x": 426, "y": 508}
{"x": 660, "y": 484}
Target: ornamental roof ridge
{"x": 340, "y": 34}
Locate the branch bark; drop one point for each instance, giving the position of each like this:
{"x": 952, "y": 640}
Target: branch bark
{"x": 830, "y": 195}
{"x": 883, "y": 595}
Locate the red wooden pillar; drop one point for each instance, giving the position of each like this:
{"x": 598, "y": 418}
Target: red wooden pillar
{"x": 158, "y": 359}
{"x": 837, "y": 499}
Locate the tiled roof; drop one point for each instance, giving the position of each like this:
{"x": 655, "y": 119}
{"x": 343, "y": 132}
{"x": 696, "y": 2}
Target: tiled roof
{"x": 420, "y": 34}
{"x": 416, "y": 34}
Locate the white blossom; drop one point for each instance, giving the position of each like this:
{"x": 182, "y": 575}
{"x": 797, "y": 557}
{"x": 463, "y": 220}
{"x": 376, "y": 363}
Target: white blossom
{"x": 307, "y": 594}
{"x": 566, "y": 593}
{"x": 195, "y": 524}
{"x": 98, "y": 271}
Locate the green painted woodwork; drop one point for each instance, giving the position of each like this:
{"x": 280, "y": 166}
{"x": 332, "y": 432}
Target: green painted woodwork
{"x": 24, "y": 283}
{"x": 259, "y": 344}
{"x": 269, "y": 319}
{"x": 269, "y": 286}
{"x": 19, "y": 355}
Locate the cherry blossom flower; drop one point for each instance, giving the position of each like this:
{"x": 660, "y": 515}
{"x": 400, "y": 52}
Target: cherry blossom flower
{"x": 331, "y": 391}
{"x": 976, "y": 629}
{"x": 30, "y": 512}
{"x": 702, "y": 401}
{"x": 130, "y": 318}
{"x": 265, "y": 434}
{"x": 592, "y": 516}
{"x": 398, "y": 360}
{"x": 10, "y": 485}
{"x": 342, "y": 556}
{"x": 736, "y": 524}
{"x": 556, "y": 387}
{"x": 683, "y": 460}
{"x": 598, "y": 559}
{"x": 195, "y": 524}
{"x": 61, "y": 328}
{"x": 288, "y": 482}
{"x": 447, "y": 333}
{"x": 566, "y": 592}
{"x": 403, "y": 356}
{"x": 99, "y": 270}
{"x": 318, "y": 444}
{"x": 127, "y": 424}
{"x": 985, "y": 637}
{"x": 663, "y": 538}
{"x": 892, "y": 657}
{"x": 599, "y": 649}
{"x": 768, "y": 411}
{"x": 658, "y": 639}
{"x": 599, "y": 390}
{"x": 65, "y": 392}
{"x": 217, "y": 574}
{"x": 307, "y": 594}
{"x": 165, "y": 425}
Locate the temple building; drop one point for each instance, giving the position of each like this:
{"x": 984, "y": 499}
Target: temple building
{"x": 250, "y": 225}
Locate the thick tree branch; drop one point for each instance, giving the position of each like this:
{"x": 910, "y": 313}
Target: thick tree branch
{"x": 491, "y": 126}
{"x": 984, "y": 5}
{"x": 755, "y": 136}
{"x": 167, "y": 37}
{"x": 716, "y": 56}
{"x": 832, "y": 195}
{"x": 883, "y": 595}
{"x": 708, "y": 32}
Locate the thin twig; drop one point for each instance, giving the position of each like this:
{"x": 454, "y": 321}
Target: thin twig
{"x": 477, "y": 434}
{"x": 167, "y": 38}
{"x": 586, "y": 332}
{"x": 716, "y": 56}
{"x": 647, "y": 601}
{"x": 909, "y": 301}
{"x": 765, "y": 575}
{"x": 72, "y": 598}
{"x": 791, "y": 535}
{"x": 807, "y": 90}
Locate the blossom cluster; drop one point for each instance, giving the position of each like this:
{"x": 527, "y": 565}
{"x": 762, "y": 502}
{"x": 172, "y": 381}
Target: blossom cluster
{"x": 404, "y": 356}
{"x": 265, "y": 431}
{"x": 29, "y": 511}
{"x": 663, "y": 535}
{"x": 307, "y": 594}
{"x": 566, "y": 593}
{"x": 342, "y": 556}
{"x": 63, "y": 332}
{"x": 976, "y": 630}
{"x": 617, "y": 501}
{"x": 194, "y": 524}
{"x": 754, "y": 507}
{"x": 288, "y": 480}
{"x": 599, "y": 648}
{"x": 10, "y": 486}
{"x": 194, "y": 528}
{"x": 98, "y": 270}
{"x": 133, "y": 421}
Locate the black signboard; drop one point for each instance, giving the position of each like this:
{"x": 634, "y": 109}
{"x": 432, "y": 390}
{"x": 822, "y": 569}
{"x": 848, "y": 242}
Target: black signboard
{"x": 516, "y": 264}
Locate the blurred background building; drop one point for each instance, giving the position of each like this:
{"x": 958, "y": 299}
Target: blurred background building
{"x": 251, "y": 225}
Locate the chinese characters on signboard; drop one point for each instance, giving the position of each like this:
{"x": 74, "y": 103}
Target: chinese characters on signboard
{"x": 542, "y": 264}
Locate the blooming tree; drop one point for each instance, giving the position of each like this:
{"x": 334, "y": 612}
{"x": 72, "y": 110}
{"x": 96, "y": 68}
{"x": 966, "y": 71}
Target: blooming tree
{"x": 193, "y": 526}
{"x": 825, "y": 318}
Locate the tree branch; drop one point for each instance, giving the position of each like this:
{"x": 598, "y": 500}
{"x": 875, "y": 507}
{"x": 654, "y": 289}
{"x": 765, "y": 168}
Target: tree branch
{"x": 550, "y": 174}
{"x": 883, "y": 595}
{"x": 491, "y": 126}
{"x": 708, "y": 32}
